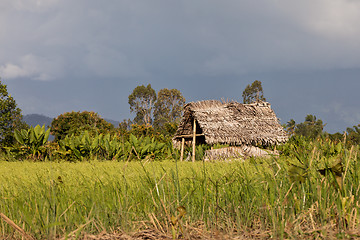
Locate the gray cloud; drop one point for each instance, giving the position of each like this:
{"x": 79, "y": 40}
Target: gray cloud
{"x": 205, "y": 48}
{"x": 215, "y": 37}
{"x": 33, "y": 67}
{"x": 349, "y": 114}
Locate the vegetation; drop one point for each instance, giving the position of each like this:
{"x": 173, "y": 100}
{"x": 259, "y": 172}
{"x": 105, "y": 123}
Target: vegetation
{"x": 77, "y": 122}
{"x": 10, "y": 117}
{"x": 311, "y": 127}
{"x": 168, "y": 109}
{"x": 354, "y": 134}
{"x": 94, "y": 178}
{"x": 142, "y": 101}
{"x": 110, "y": 147}
{"x": 32, "y": 141}
{"x": 267, "y": 197}
{"x": 162, "y": 110}
{"x": 253, "y": 93}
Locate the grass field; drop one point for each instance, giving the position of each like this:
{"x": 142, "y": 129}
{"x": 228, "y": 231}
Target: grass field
{"x": 259, "y": 196}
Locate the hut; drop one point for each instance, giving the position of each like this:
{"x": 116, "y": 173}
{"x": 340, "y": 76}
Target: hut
{"x": 214, "y": 122}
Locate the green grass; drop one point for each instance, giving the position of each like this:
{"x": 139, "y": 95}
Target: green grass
{"x": 51, "y": 199}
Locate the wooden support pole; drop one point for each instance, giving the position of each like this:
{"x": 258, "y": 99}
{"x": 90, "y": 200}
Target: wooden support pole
{"x": 182, "y": 149}
{"x": 190, "y": 135}
{"x": 194, "y": 141}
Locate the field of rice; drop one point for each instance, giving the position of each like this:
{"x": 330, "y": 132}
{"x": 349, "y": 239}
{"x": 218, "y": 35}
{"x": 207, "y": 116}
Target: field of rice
{"x": 255, "y": 198}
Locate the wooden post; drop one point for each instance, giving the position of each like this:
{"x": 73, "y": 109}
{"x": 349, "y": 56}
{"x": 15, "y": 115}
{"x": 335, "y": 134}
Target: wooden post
{"x": 182, "y": 149}
{"x": 194, "y": 141}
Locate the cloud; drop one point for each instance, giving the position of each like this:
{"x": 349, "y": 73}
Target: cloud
{"x": 134, "y": 38}
{"x": 203, "y": 44}
{"x": 329, "y": 18}
{"x": 110, "y": 62}
{"x": 348, "y": 114}
{"x": 32, "y": 5}
{"x": 33, "y": 67}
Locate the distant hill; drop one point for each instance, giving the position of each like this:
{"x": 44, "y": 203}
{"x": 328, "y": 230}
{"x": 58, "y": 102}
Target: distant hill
{"x": 39, "y": 119}
{"x": 113, "y": 122}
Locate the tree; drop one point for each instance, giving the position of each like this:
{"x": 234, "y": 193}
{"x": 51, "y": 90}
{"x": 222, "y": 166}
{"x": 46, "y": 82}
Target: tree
{"x": 354, "y": 134}
{"x": 253, "y": 93}
{"x": 10, "y": 117}
{"x": 311, "y": 127}
{"x": 142, "y": 101}
{"x": 77, "y": 122}
{"x": 125, "y": 125}
{"x": 168, "y": 108}
{"x": 290, "y": 126}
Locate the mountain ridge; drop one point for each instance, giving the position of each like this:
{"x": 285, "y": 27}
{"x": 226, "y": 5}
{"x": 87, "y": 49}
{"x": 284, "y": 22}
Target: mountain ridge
{"x": 34, "y": 119}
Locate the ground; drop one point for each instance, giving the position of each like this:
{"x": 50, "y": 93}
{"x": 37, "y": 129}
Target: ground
{"x": 152, "y": 234}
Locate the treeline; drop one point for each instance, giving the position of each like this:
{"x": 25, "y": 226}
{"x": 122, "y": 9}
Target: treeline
{"x": 88, "y": 144}
{"x": 313, "y": 128}
{"x": 83, "y": 135}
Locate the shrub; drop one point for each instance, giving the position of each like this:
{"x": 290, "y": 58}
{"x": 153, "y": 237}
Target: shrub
{"x": 78, "y": 122}
{"x": 10, "y": 117}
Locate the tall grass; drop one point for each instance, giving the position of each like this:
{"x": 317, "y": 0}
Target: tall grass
{"x": 258, "y": 196}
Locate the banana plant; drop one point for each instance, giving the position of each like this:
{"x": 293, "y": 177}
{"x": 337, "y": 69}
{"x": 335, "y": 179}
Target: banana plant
{"x": 81, "y": 147}
{"x": 146, "y": 147}
{"x": 112, "y": 148}
{"x": 33, "y": 139}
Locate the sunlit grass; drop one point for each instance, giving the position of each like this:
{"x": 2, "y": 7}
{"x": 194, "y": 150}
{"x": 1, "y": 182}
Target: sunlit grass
{"x": 50, "y": 199}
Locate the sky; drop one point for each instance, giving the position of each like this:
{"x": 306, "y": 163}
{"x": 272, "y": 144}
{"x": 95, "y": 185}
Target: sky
{"x": 88, "y": 55}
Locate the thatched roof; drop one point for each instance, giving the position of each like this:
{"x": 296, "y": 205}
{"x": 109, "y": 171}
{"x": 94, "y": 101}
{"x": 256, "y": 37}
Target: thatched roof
{"x": 231, "y": 123}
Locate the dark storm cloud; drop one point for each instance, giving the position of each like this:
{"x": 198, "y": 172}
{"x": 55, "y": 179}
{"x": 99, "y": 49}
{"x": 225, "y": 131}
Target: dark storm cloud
{"x": 98, "y": 51}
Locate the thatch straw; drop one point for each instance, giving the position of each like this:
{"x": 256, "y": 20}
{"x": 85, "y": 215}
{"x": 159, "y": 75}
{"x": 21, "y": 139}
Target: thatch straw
{"x": 242, "y": 152}
{"x": 232, "y": 123}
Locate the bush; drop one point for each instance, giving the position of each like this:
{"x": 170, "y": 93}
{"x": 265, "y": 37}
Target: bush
{"x": 10, "y": 117}
{"x": 77, "y": 122}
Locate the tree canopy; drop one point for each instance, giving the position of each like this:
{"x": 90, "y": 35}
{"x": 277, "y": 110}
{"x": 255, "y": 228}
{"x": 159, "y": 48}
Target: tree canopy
{"x": 290, "y": 126}
{"x": 77, "y": 122}
{"x": 10, "y": 117}
{"x": 162, "y": 110}
{"x": 253, "y": 93}
{"x": 168, "y": 107}
{"x": 354, "y": 134}
{"x": 311, "y": 127}
{"x": 142, "y": 101}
